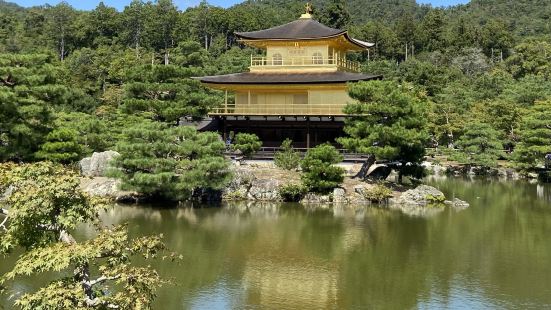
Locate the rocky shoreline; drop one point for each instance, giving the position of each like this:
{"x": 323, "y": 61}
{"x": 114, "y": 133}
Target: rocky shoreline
{"x": 262, "y": 182}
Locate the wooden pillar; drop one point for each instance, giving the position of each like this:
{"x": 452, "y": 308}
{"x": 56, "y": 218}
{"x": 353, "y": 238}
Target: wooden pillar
{"x": 225, "y": 129}
{"x": 226, "y": 102}
{"x": 308, "y": 133}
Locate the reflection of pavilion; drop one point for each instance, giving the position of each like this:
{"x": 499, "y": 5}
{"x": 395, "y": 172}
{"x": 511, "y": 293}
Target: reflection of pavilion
{"x": 290, "y": 285}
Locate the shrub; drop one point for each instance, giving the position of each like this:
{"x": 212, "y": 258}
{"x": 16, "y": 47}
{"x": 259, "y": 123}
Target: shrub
{"x": 431, "y": 199}
{"x": 292, "y": 192}
{"x": 287, "y": 158}
{"x": 319, "y": 173}
{"x": 378, "y": 193}
{"x": 247, "y": 143}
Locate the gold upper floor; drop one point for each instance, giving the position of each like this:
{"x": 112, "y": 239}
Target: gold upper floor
{"x": 303, "y": 58}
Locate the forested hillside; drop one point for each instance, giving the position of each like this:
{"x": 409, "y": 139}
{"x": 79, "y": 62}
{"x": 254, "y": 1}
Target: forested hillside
{"x": 84, "y": 76}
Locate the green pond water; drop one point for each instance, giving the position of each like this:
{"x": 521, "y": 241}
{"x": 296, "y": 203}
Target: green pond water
{"x": 494, "y": 255}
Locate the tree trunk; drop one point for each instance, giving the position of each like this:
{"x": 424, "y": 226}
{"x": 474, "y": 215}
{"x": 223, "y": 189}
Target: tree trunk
{"x": 62, "y": 48}
{"x": 400, "y": 175}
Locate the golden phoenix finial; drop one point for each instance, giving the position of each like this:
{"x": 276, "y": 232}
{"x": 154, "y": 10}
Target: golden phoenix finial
{"x": 309, "y": 9}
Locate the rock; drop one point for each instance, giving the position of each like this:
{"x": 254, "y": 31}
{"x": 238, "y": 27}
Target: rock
{"x": 97, "y": 165}
{"x": 313, "y": 198}
{"x": 339, "y": 195}
{"x": 107, "y": 187}
{"x": 432, "y": 168}
{"x": 360, "y": 189}
{"x": 239, "y": 186}
{"x": 267, "y": 190}
{"x": 459, "y": 204}
{"x": 532, "y": 175}
{"x": 420, "y": 196}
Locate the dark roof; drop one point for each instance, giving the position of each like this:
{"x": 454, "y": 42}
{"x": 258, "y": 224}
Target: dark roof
{"x": 304, "y": 28}
{"x": 288, "y": 78}
{"x": 300, "y": 29}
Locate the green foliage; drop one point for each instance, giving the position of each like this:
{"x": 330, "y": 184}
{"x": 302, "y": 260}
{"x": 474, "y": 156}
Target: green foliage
{"x": 435, "y": 200}
{"x": 292, "y": 192}
{"x": 94, "y": 134}
{"x": 247, "y": 143}
{"x": 335, "y": 14}
{"x": 166, "y": 93}
{"x": 480, "y": 145}
{"x": 45, "y": 204}
{"x": 170, "y": 162}
{"x": 61, "y": 146}
{"x": 287, "y": 158}
{"x": 28, "y": 90}
{"x": 319, "y": 171}
{"x": 535, "y": 136}
{"x": 388, "y": 120}
{"x": 531, "y": 57}
{"x": 42, "y": 190}
{"x": 378, "y": 193}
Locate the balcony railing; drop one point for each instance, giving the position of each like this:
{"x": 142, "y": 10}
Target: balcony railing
{"x": 304, "y": 61}
{"x": 280, "y": 110}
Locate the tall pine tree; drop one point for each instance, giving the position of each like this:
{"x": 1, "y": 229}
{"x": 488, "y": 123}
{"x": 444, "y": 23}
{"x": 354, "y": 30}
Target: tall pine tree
{"x": 29, "y": 89}
{"x": 535, "y": 136}
{"x": 389, "y": 121}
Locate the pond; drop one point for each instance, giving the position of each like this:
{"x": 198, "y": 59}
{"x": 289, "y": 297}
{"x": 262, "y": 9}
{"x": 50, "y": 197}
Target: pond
{"x": 496, "y": 254}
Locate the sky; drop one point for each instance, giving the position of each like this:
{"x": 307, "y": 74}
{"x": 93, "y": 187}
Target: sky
{"x": 182, "y": 4}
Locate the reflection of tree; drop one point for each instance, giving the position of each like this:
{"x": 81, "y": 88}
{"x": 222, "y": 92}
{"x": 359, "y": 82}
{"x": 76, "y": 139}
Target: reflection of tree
{"x": 499, "y": 242}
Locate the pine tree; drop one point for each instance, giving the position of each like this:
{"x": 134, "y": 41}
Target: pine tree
{"x": 247, "y": 143}
{"x": 170, "y": 162}
{"x": 287, "y": 158}
{"x": 480, "y": 145}
{"x": 61, "y": 146}
{"x": 388, "y": 120}
{"x": 28, "y": 90}
{"x": 535, "y": 136}
{"x": 166, "y": 93}
{"x": 319, "y": 171}
{"x": 335, "y": 14}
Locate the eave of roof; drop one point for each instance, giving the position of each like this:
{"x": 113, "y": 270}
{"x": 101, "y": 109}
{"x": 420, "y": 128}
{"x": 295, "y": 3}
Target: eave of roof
{"x": 287, "y": 78}
{"x": 301, "y": 29}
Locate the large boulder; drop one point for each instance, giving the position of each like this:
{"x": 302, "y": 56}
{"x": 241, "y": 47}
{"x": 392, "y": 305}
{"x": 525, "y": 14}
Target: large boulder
{"x": 98, "y": 164}
{"x": 420, "y": 196}
{"x": 107, "y": 188}
{"x": 339, "y": 195}
{"x": 262, "y": 189}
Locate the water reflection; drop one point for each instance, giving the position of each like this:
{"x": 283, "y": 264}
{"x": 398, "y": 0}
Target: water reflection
{"x": 495, "y": 254}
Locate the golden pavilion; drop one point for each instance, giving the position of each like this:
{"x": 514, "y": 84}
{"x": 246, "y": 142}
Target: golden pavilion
{"x": 297, "y": 90}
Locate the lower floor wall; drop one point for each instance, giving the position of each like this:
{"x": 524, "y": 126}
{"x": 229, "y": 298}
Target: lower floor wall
{"x": 305, "y": 134}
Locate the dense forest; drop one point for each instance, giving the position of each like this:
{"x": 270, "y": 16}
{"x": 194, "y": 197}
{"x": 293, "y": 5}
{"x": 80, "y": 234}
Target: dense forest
{"x": 72, "y": 81}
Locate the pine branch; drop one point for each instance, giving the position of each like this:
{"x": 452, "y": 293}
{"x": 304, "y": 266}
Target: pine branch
{"x": 8, "y": 81}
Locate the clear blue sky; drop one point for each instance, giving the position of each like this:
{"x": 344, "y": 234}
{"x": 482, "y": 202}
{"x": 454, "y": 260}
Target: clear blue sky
{"x": 182, "y": 4}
